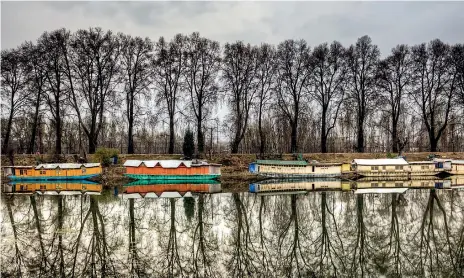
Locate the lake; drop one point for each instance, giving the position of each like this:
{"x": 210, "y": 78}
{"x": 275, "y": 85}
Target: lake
{"x": 419, "y": 233}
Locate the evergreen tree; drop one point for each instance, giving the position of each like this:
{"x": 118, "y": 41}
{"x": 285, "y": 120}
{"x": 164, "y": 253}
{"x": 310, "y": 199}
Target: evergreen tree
{"x": 189, "y": 144}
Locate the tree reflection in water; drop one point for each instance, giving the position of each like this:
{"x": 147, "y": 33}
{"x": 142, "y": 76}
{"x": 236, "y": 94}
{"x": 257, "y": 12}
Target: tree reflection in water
{"x": 326, "y": 234}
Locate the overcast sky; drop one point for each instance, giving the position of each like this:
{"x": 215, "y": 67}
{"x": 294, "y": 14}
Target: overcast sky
{"x": 388, "y": 23}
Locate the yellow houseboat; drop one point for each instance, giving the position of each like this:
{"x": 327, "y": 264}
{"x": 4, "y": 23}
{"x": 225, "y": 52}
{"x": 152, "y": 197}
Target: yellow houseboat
{"x": 71, "y": 187}
{"x": 457, "y": 167}
{"x": 295, "y": 169}
{"x": 422, "y": 168}
{"x": 388, "y": 167}
{"x": 61, "y": 171}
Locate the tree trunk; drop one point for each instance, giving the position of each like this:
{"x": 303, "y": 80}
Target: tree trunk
{"x": 92, "y": 142}
{"x": 130, "y": 139}
{"x": 395, "y": 141}
{"x": 234, "y": 146}
{"x": 200, "y": 138}
{"x": 261, "y": 132}
{"x": 58, "y": 134}
{"x": 323, "y": 131}
{"x": 171, "y": 135}
{"x": 433, "y": 143}
{"x": 360, "y": 137}
{"x": 30, "y": 149}
{"x": 7, "y": 134}
{"x": 294, "y": 145}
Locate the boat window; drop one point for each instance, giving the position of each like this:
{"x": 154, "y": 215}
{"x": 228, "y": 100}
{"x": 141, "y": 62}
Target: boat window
{"x": 398, "y": 167}
{"x": 376, "y": 168}
{"x": 374, "y": 184}
{"x": 20, "y": 171}
{"x": 83, "y": 170}
{"x": 42, "y": 172}
{"x": 384, "y": 167}
{"x": 313, "y": 168}
{"x": 398, "y": 184}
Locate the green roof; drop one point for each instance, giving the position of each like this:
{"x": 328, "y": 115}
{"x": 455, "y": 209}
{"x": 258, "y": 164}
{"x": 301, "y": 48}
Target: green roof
{"x": 282, "y": 162}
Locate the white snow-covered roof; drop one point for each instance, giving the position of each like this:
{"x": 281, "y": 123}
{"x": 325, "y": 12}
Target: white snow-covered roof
{"x": 380, "y": 190}
{"x": 162, "y": 163}
{"x": 151, "y": 195}
{"x": 170, "y": 195}
{"x": 457, "y": 161}
{"x": 383, "y": 161}
{"x": 66, "y": 165}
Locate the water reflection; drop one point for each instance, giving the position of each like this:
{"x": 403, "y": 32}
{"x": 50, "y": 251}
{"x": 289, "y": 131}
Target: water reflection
{"x": 419, "y": 233}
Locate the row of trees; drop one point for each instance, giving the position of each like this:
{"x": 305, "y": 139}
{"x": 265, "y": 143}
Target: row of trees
{"x": 87, "y": 79}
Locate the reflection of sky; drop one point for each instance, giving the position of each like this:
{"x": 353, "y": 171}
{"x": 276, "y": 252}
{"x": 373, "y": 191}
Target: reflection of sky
{"x": 153, "y": 222}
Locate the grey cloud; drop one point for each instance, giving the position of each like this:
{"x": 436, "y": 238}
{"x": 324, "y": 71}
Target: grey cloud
{"x": 388, "y": 23}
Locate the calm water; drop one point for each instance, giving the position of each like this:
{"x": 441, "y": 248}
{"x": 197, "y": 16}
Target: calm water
{"x": 319, "y": 234}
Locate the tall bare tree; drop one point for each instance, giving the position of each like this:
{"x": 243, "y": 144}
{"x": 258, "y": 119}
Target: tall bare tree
{"x": 435, "y": 85}
{"x": 203, "y": 63}
{"x": 294, "y": 70}
{"x": 91, "y": 60}
{"x": 362, "y": 61}
{"x": 53, "y": 43}
{"x": 239, "y": 66}
{"x": 168, "y": 68}
{"x": 135, "y": 60}
{"x": 13, "y": 84}
{"x": 265, "y": 76}
{"x": 36, "y": 75}
{"x": 329, "y": 83}
{"x": 394, "y": 78}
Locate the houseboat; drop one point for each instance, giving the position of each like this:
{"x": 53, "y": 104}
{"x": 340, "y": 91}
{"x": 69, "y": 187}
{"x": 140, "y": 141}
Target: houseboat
{"x": 295, "y": 169}
{"x": 140, "y": 189}
{"x": 387, "y": 167}
{"x": 457, "y": 167}
{"x": 304, "y": 185}
{"x": 58, "y": 171}
{"x": 71, "y": 187}
{"x": 171, "y": 170}
{"x": 422, "y": 168}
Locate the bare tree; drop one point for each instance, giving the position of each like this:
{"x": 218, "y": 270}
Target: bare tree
{"x": 329, "y": 82}
{"x": 135, "y": 60}
{"x": 393, "y": 78}
{"x": 91, "y": 60}
{"x": 168, "y": 67}
{"x": 55, "y": 98}
{"x": 362, "y": 62}
{"x": 435, "y": 84}
{"x": 238, "y": 75}
{"x": 294, "y": 70}
{"x": 201, "y": 72}
{"x": 13, "y": 85}
{"x": 265, "y": 74}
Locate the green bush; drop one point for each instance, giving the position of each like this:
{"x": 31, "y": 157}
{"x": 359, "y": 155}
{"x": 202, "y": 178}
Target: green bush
{"x": 189, "y": 144}
{"x": 104, "y": 155}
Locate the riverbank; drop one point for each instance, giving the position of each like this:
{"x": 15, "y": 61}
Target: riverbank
{"x": 234, "y": 169}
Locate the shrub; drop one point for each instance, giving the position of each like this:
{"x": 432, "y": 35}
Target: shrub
{"x": 104, "y": 155}
{"x": 189, "y": 144}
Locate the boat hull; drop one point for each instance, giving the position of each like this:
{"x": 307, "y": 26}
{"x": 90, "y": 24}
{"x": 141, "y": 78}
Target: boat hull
{"x": 49, "y": 178}
{"x": 172, "y": 177}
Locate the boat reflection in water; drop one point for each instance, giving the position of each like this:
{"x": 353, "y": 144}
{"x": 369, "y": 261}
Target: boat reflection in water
{"x": 68, "y": 187}
{"x": 302, "y": 186}
{"x": 168, "y": 189}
